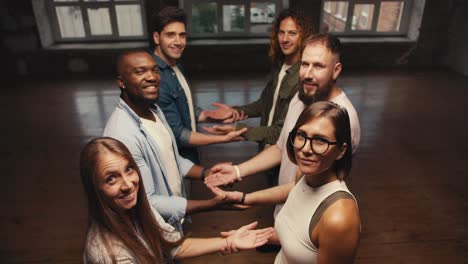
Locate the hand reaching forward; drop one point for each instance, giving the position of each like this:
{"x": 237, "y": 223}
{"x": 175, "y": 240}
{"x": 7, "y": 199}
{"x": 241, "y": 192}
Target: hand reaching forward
{"x": 235, "y": 116}
{"x": 219, "y": 130}
{"x": 228, "y": 200}
{"x": 226, "y": 196}
{"x": 235, "y": 135}
{"x": 221, "y": 174}
{"x": 247, "y": 238}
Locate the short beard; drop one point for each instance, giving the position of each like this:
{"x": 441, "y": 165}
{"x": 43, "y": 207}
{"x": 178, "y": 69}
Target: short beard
{"x": 320, "y": 94}
{"x": 307, "y": 99}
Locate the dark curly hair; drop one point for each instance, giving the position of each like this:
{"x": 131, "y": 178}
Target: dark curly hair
{"x": 302, "y": 21}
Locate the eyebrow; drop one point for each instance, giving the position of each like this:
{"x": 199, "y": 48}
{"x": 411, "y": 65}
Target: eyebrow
{"x": 108, "y": 171}
{"x": 315, "y": 135}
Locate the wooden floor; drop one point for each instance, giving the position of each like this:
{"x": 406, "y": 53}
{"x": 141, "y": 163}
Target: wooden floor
{"x": 409, "y": 174}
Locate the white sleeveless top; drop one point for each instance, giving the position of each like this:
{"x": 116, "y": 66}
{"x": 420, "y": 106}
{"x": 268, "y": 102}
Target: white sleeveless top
{"x": 292, "y": 222}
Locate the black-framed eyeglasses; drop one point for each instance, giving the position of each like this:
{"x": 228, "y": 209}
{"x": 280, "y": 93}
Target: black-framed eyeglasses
{"x": 318, "y": 145}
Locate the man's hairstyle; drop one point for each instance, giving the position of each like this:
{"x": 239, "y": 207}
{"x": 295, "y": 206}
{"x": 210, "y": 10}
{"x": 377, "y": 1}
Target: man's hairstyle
{"x": 331, "y": 42}
{"x": 168, "y": 15}
{"x": 122, "y": 56}
{"x": 339, "y": 118}
{"x": 302, "y": 21}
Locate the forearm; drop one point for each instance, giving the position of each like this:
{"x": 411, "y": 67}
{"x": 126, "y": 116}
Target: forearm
{"x": 267, "y": 159}
{"x": 261, "y": 134}
{"x": 274, "y": 195}
{"x": 195, "y": 172}
{"x": 196, "y": 206}
{"x": 200, "y": 139}
{"x": 251, "y": 110}
{"x": 192, "y": 247}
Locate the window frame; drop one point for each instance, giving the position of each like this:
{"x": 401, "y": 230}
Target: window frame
{"x": 349, "y": 32}
{"x": 221, "y": 34}
{"x": 88, "y": 38}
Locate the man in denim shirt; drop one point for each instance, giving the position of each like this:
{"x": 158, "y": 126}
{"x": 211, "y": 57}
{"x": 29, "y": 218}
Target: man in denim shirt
{"x": 175, "y": 100}
{"x": 139, "y": 124}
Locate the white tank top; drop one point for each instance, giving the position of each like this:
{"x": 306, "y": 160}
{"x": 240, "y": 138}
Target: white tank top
{"x": 292, "y": 222}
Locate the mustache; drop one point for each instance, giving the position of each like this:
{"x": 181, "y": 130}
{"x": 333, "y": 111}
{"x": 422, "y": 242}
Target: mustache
{"x": 309, "y": 81}
{"x": 150, "y": 83}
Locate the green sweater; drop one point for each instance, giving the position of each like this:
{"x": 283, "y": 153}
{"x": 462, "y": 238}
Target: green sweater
{"x": 261, "y": 108}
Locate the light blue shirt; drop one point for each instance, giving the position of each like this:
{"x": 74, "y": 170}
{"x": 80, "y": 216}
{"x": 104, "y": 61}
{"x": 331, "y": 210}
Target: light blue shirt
{"x": 125, "y": 126}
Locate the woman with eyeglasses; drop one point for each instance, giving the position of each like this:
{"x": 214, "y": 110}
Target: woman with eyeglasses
{"x": 319, "y": 222}
{"x": 124, "y": 228}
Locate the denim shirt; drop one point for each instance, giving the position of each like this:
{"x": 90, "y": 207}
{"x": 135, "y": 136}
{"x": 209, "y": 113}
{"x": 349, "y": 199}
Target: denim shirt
{"x": 125, "y": 125}
{"x": 173, "y": 102}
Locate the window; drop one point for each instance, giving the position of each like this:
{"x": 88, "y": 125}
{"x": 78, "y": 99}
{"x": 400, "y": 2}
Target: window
{"x": 231, "y": 18}
{"x": 366, "y": 17}
{"x": 96, "y": 20}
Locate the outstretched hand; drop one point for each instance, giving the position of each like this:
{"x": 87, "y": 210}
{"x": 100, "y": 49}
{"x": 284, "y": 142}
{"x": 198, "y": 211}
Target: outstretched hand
{"x": 219, "y": 130}
{"x": 221, "y": 174}
{"x": 230, "y": 200}
{"x": 225, "y": 114}
{"x": 235, "y": 135}
{"x": 247, "y": 238}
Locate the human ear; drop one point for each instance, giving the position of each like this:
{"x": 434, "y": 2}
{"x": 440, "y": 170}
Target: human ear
{"x": 337, "y": 70}
{"x": 120, "y": 82}
{"x": 156, "y": 38}
{"x": 343, "y": 149}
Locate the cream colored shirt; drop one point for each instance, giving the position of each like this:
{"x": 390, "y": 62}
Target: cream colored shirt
{"x": 95, "y": 251}
{"x": 188, "y": 94}
{"x": 162, "y": 137}
{"x": 281, "y": 75}
{"x": 293, "y": 221}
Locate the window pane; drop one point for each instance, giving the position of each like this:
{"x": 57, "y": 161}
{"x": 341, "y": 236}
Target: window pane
{"x": 390, "y": 16}
{"x": 362, "y": 17}
{"x": 204, "y": 18}
{"x": 99, "y": 21}
{"x": 233, "y": 18}
{"x": 262, "y": 15}
{"x": 129, "y": 20}
{"x": 70, "y": 21}
{"x": 334, "y": 16}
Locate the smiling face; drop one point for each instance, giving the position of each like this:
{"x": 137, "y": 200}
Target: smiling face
{"x": 117, "y": 181}
{"x": 170, "y": 42}
{"x": 310, "y": 163}
{"x": 289, "y": 38}
{"x": 139, "y": 78}
{"x": 318, "y": 73}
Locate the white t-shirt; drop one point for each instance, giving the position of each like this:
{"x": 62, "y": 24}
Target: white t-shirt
{"x": 288, "y": 169}
{"x": 281, "y": 75}
{"x": 188, "y": 94}
{"x": 163, "y": 139}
